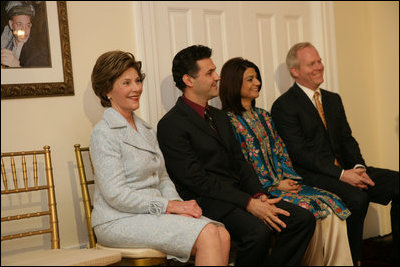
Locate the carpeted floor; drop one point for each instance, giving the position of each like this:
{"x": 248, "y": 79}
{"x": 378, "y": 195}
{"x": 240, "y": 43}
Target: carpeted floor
{"x": 377, "y": 251}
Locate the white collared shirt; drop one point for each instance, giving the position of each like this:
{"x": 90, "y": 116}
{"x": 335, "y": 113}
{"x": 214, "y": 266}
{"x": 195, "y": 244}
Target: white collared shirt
{"x": 310, "y": 93}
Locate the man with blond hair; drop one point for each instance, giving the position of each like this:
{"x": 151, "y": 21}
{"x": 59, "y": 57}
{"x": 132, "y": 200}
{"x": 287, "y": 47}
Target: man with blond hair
{"x": 312, "y": 122}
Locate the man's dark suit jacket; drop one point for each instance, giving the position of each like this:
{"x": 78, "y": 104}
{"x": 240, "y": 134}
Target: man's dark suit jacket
{"x": 310, "y": 146}
{"x": 204, "y": 165}
{"x": 35, "y": 53}
{"x": 314, "y": 149}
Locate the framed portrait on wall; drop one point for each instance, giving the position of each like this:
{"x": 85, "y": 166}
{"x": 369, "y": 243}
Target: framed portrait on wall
{"x": 35, "y": 50}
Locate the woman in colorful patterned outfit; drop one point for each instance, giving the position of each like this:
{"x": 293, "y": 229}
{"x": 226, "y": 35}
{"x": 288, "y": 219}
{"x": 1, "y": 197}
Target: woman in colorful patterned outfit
{"x": 264, "y": 149}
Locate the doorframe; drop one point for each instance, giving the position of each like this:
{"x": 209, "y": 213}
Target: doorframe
{"x": 323, "y": 30}
{"x": 146, "y": 51}
{"x": 323, "y": 23}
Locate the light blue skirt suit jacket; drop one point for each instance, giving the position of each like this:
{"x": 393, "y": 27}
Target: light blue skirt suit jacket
{"x": 133, "y": 188}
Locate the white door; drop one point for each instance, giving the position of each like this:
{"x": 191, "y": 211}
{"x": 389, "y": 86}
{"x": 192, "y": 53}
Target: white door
{"x": 181, "y": 24}
{"x": 270, "y": 29}
{"x": 259, "y": 31}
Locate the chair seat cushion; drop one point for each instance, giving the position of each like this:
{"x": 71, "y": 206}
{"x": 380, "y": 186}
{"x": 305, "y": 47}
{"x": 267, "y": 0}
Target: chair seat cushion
{"x": 135, "y": 252}
{"x": 63, "y": 257}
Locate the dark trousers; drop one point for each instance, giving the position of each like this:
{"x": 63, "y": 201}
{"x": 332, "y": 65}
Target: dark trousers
{"x": 253, "y": 237}
{"x": 386, "y": 189}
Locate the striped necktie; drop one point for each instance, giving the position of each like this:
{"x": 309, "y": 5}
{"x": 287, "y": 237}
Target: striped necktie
{"x": 320, "y": 108}
{"x": 209, "y": 120}
{"x": 322, "y": 115}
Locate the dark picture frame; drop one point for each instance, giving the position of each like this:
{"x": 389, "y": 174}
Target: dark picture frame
{"x": 17, "y": 89}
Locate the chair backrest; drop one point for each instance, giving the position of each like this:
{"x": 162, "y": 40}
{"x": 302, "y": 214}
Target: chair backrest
{"x": 80, "y": 153}
{"x": 131, "y": 256}
{"x": 29, "y": 179}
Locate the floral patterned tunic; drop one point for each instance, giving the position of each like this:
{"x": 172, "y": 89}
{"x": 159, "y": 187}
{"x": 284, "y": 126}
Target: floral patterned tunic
{"x": 264, "y": 149}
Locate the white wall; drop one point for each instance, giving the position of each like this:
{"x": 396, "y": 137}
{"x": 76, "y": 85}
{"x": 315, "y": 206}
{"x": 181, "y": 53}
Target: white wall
{"x": 61, "y": 122}
{"x": 367, "y": 41}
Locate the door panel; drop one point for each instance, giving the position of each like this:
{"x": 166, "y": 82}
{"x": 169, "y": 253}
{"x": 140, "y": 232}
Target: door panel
{"x": 261, "y": 31}
{"x": 273, "y": 27}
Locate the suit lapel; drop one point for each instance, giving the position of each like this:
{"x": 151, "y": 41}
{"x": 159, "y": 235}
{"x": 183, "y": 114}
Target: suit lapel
{"x": 142, "y": 138}
{"x": 328, "y": 113}
{"x": 307, "y": 104}
{"x": 311, "y": 109}
{"x": 197, "y": 120}
{"x": 326, "y": 106}
{"x": 220, "y": 122}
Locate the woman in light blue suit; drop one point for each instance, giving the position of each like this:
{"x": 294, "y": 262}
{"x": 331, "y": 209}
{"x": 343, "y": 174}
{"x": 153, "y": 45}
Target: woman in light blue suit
{"x": 136, "y": 204}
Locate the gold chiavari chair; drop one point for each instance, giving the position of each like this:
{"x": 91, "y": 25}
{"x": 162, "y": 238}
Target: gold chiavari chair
{"x": 20, "y": 183}
{"x": 130, "y": 256}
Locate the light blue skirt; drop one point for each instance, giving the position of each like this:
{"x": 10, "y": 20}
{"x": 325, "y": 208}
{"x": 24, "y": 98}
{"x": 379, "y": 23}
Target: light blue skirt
{"x": 172, "y": 234}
